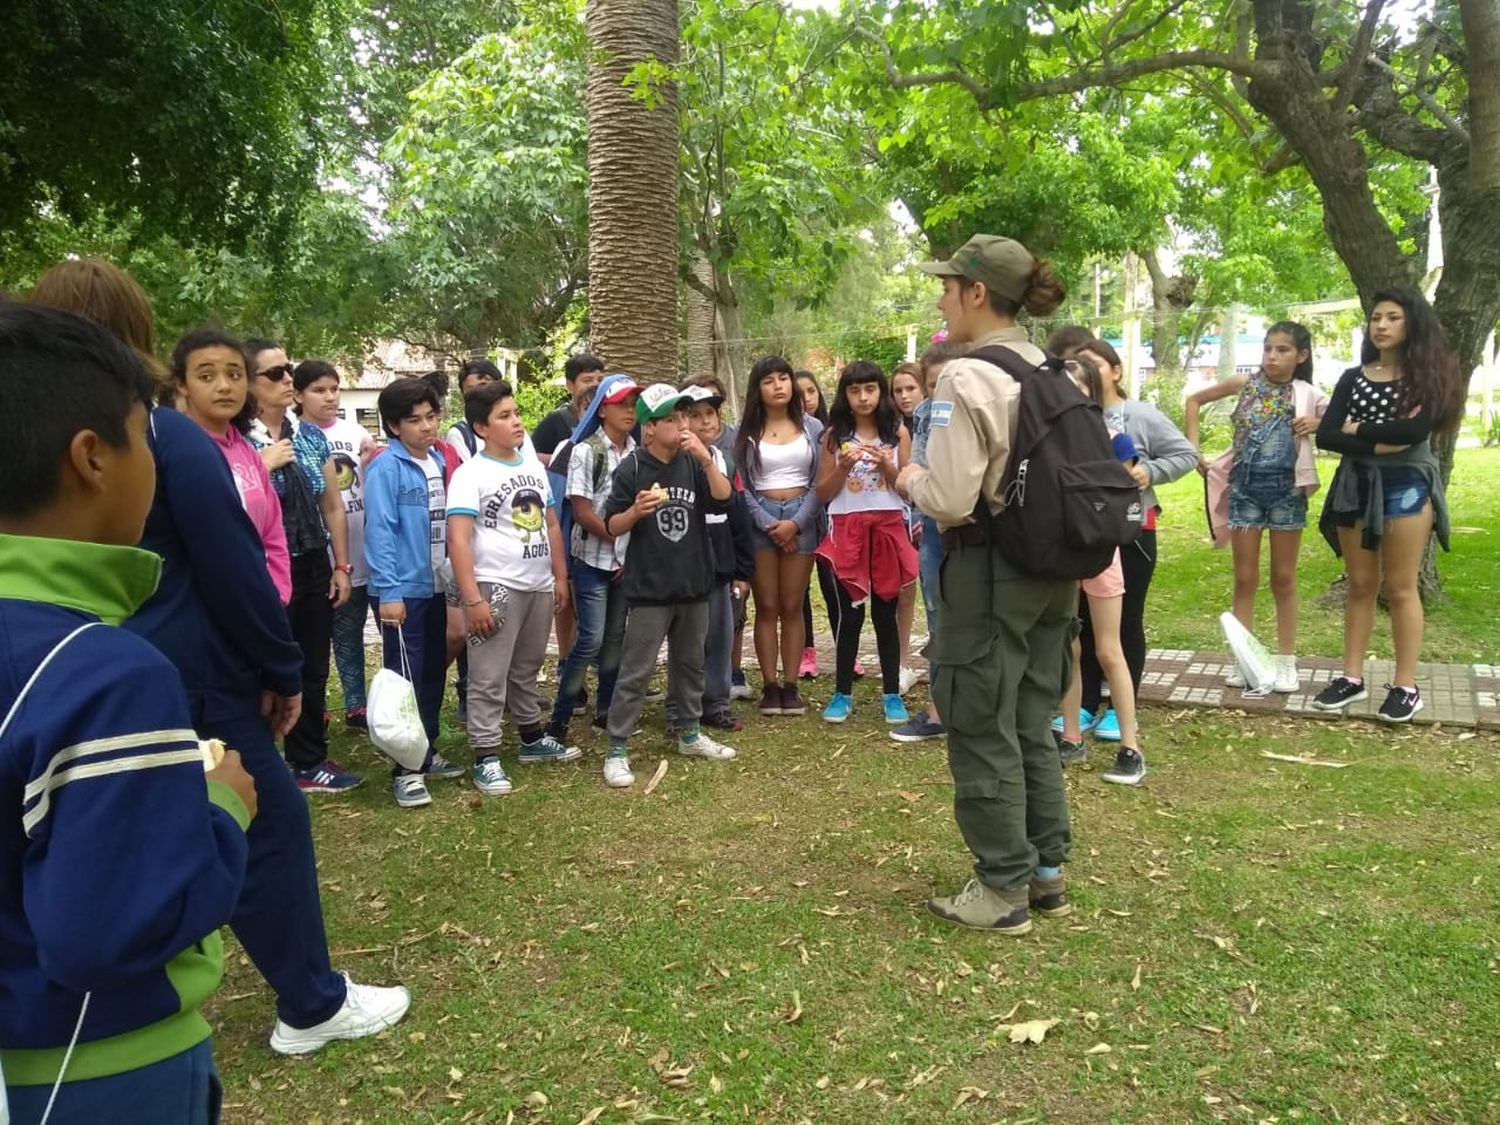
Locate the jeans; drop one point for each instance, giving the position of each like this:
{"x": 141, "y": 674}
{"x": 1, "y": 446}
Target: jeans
{"x": 425, "y": 636}
{"x": 929, "y": 562}
{"x": 310, "y": 615}
{"x": 181, "y": 1090}
{"x": 1263, "y": 492}
{"x": 599, "y": 603}
{"x": 349, "y": 646}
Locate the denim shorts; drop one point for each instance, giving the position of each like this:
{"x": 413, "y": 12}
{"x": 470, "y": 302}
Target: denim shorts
{"x": 1406, "y": 492}
{"x": 1251, "y": 511}
{"x": 807, "y": 539}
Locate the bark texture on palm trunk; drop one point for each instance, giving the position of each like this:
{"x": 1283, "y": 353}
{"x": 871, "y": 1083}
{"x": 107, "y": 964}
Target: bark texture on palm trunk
{"x": 633, "y": 145}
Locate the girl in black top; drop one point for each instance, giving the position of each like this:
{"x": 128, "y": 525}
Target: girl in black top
{"x": 1387, "y": 494}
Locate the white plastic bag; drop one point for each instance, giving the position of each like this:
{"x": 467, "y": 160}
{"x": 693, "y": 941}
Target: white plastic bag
{"x": 395, "y": 722}
{"x": 1254, "y": 661}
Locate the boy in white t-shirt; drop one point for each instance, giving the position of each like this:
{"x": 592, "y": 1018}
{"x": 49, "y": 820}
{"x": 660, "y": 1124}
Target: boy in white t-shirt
{"x": 507, "y": 554}
{"x": 316, "y": 385}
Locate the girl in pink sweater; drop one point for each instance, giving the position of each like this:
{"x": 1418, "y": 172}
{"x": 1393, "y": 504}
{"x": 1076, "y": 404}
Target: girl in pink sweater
{"x": 210, "y": 371}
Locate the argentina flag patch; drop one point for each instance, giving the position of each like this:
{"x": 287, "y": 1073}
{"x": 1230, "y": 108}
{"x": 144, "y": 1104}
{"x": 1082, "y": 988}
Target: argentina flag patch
{"x": 942, "y": 414}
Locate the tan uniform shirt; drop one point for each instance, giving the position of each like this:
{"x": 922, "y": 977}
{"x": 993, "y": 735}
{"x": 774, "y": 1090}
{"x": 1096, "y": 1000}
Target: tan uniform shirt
{"x": 973, "y": 426}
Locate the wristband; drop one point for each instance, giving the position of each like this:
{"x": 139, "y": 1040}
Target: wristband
{"x": 477, "y": 601}
{"x": 344, "y": 568}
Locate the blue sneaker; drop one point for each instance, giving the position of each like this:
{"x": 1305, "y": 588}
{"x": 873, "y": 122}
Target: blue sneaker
{"x": 1108, "y": 728}
{"x": 441, "y": 769}
{"x": 920, "y": 729}
{"x": 1087, "y": 721}
{"x": 895, "y": 711}
{"x": 326, "y": 777}
{"x": 548, "y": 749}
{"x": 838, "y": 708}
{"x": 489, "y": 778}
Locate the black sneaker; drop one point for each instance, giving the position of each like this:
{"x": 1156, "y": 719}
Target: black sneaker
{"x": 1070, "y": 752}
{"x": 1339, "y": 694}
{"x": 1129, "y": 767}
{"x": 723, "y": 720}
{"x": 1400, "y": 705}
{"x": 582, "y": 706}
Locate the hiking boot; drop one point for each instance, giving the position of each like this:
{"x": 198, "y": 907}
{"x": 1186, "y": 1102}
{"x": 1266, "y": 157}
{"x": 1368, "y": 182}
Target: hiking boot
{"x": 1049, "y": 897}
{"x": 809, "y": 668}
{"x": 1339, "y": 694}
{"x": 919, "y": 729}
{"x": 895, "y": 710}
{"x": 770, "y": 699}
{"x": 1400, "y": 704}
{"x": 1286, "y": 680}
{"x": 367, "y": 1010}
{"x": 1070, "y": 753}
{"x": 548, "y": 749}
{"x": 489, "y": 777}
{"x": 699, "y": 745}
{"x": 1129, "y": 767}
{"x": 983, "y": 908}
{"x": 791, "y": 700}
{"x": 617, "y": 773}
{"x": 838, "y": 708}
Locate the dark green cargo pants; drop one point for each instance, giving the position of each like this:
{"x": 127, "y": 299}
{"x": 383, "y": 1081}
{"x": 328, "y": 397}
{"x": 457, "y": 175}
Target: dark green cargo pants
{"x": 1002, "y": 661}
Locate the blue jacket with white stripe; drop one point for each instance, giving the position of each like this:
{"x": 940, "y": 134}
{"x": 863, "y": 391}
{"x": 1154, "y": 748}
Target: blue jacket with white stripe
{"x": 118, "y": 863}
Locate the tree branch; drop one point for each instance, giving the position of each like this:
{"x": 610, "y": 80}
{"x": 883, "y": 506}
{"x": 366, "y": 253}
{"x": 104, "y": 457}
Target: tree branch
{"x": 1145, "y": 29}
{"x": 901, "y": 81}
{"x": 1429, "y": 103}
{"x": 1355, "y": 63}
{"x": 1114, "y": 74}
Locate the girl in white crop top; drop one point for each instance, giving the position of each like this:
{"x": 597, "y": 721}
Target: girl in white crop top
{"x": 783, "y": 466}
{"x": 868, "y": 543}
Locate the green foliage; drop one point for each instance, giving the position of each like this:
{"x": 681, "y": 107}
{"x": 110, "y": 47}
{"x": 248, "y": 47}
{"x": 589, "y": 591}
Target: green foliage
{"x": 190, "y": 119}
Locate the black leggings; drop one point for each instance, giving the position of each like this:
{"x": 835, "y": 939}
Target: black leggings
{"x": 310, "y": 615}
{"x": 1138, "y": 562}
{"x": 851, "y": 622}
{"x": 830, "y": 601}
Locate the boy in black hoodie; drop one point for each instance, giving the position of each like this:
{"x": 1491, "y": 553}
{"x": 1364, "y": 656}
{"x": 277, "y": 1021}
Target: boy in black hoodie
{"x": 662, "y": 494}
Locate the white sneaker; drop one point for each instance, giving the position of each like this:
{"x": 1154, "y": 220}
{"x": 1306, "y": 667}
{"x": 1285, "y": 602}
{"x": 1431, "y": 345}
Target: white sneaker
{"x": 908, "y": 679}
{"x": 739, "y": 691}
{"x": 1235, "y": 678}
{"x": 705, "y": 747}
{"x": 410, "y": 790}
{"x": 1286, "y": 680}
{"x": 367, "y": 1010}
{"x": 617, "y": 773}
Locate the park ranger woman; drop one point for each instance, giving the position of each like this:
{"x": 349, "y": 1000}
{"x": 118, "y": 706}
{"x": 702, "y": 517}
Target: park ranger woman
{"x": 1002, "y": 657}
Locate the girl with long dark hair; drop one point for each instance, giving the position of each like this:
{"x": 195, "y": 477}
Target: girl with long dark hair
{"x": 1386, "y": 497}
{"x": 778, "y": 451}
{"x": 868, "y": 545}
{"x": 814, "y": 406}
{"x": 1263, "y": 481}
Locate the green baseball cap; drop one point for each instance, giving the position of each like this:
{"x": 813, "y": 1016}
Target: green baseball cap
{"x": 1003, "y": 264}
{"x": 657, "y": 401}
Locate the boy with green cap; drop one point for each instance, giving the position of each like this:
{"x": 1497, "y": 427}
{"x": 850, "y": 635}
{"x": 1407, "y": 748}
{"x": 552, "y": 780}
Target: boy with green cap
{"x": 661, "y": 495}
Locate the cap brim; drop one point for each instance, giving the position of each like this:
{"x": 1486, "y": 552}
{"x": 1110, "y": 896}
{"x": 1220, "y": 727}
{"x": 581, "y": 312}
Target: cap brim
{"x": 662, "y": 409}
{"x": 622, "y": 395}
{"x": 940, "y": 269}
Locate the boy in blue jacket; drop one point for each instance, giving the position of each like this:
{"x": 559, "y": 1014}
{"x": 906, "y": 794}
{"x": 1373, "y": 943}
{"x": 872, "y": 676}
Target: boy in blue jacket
{"x": 406, "y": 544}
{"x": 119, "y": 863}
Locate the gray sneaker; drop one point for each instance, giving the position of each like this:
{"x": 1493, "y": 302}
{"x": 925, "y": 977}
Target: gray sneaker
{"x": 489, "y": 778}
{"x": 983, "y": 908}
{"x": 441, "y": 769}
{"x": 1050, "y": 897}
{"x": 548, "y": 749}
{"x": 1070, "y": 752}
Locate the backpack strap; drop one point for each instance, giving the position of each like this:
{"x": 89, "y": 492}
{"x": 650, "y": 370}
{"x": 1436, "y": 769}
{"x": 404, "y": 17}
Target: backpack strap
{"x": 1008, "y": 360}
{"x": 469, "y": 439}
{"x": 596, "y": 442}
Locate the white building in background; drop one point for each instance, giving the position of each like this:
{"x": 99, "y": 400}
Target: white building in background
{"x": 392, "y": 359}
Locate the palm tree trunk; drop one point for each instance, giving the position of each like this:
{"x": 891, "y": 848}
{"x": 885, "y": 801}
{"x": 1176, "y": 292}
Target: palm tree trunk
{"x": 633, "y": 152}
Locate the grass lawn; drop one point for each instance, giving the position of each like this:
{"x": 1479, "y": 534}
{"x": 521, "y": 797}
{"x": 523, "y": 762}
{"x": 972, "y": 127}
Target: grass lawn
{"x": 1253, "y": 940}
{"x": 1194, "y": 582}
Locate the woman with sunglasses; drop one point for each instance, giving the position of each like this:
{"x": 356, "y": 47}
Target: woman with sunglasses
{"x": 300, "y": 462}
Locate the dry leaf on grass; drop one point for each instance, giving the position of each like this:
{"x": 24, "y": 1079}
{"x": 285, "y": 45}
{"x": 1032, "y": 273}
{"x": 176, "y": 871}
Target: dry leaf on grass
{"x": 1099, "y": 1049}
{"x": 969, "y": 1094}
{"x": 1135, "y": 981}
{"x": 536, "y": 1099}
{"x": 592, "y": 1115}
{"x": 794, "y": 1013}
{"x": 661, "y": 772}
{"x": 1032, "y": 1031}
{"x": 1304, "y": 761}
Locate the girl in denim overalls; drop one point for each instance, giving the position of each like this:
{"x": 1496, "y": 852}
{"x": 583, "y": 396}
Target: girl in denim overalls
{"x": 1269, "y": 473}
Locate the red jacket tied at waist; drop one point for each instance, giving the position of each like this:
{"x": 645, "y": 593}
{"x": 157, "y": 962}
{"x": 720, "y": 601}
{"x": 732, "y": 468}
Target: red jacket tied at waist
{"x": 870, "y": 551}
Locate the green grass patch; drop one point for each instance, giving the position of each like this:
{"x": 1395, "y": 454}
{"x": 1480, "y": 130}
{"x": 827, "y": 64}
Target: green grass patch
{"x": 1253, "y": 940}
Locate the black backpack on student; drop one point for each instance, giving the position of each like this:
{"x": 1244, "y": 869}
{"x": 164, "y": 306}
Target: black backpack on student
{"x": 1069, "y": 503}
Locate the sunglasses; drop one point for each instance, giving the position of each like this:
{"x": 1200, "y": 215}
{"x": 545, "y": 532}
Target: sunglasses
{"x": 276, "y": 374}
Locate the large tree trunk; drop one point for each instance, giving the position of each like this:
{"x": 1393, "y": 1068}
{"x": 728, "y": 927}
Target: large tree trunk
{"x": 700, "y": 320}
{"x": 732, "y": 335}
{"x": 633, "y": 277}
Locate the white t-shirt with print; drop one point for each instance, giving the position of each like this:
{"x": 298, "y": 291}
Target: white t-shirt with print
{"x": 347, "y": 438}
{"x": 509, "y": 502}
{"x": 437, "y": 515}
